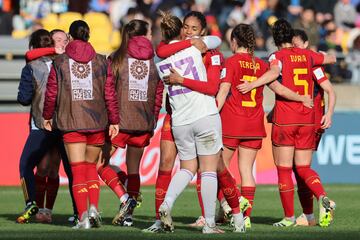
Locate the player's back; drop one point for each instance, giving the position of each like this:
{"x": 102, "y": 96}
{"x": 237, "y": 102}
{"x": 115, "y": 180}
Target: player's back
{"x": 187, "y": 105}
{"x": 296, "y": 74}
{"x": 249, "y": 68}
{"x": 242, "y": 114}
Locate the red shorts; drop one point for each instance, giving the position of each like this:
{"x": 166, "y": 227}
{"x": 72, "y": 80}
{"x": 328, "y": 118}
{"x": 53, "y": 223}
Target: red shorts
{"x": 90, "y": 138}
{"x": 166, "y": 132}
{"x": 234, "y": 143}
{"x": 123, "y": 139}
{"x": 299, "y": 136}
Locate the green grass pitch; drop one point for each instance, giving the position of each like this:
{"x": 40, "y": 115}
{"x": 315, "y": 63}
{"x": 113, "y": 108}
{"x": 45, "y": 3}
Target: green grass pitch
{"x": 267, "y": 210}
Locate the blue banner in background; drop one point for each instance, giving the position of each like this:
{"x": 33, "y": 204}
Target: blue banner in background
{"x": 338, "y": 157}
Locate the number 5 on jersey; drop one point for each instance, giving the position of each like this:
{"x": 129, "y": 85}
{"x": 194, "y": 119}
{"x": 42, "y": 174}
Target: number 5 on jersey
{"x": 300, "y": 82}
{"x": 251, "y": 103}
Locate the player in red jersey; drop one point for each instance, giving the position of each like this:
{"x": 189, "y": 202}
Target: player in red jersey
{"x": 322, "y": 122}
{"x": 237, "y": 109}
{"x": 293, "y": 123}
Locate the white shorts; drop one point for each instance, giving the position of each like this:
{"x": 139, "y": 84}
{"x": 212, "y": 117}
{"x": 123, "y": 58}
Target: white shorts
{"x": 202, "y": 137}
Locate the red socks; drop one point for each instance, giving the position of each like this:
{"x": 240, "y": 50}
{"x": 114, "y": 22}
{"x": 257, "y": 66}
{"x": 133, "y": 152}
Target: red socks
{"x": 52, "y": 188}
{"x": 311, "y": 179}
{"x": 249, "y": 194}
{"x": 198, "y": 190}
{"x": 80, "y": 187}
{"x": 93, "y": 184}
{"x": 40, "y": 188}
{"x": 305, "y": 194}
{"x": 286, "y": 189}
{"x": 161, "y": 187}
{"x": 229, "y": 189}
{"x": 110, "y": 177}
{"x": 133, "y": 186}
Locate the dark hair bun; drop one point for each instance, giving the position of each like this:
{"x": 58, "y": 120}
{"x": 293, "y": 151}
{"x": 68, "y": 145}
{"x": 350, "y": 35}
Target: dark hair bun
{"x": 79, "y": 30}
{"x": 40, "y": 39}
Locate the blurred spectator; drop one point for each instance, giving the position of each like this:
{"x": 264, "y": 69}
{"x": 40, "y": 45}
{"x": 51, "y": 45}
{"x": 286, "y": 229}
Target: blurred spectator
{"x": 80, "y": 6}
{"x": 99, "y": 6}
{"x": 253, "y": 9}
{"x": 275, "y": 9}
{"x": 345, "y": 14}
{"x": 5, "y": 20}
{"x": 133, "y": 13}
{"x": 294, "y": 8}
{"x": 118, "y": 9}
{"x": 357, "y": 20}
{"x": 329, "y": 43}
{"x": 222, "y": 9}
{"x": 308, "y": 24}
{"x": 353, "y": 61}
{"x": 236, "y": 15}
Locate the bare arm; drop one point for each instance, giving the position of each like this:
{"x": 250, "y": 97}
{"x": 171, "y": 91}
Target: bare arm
{"x": 221, "y": 95}
{"x": 267, "y": 77}
{"x": 326, "y": 120}
{"x": 285, "y": 92}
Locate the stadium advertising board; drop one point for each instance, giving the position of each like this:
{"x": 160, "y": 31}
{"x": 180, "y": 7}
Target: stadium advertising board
{"x": 337, "y": 160}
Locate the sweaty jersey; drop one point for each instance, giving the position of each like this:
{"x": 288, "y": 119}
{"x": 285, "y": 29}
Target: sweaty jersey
{"x": 242, "y": 114}
{"x": 296, "y": 74}
{"x": 187, "y": 106}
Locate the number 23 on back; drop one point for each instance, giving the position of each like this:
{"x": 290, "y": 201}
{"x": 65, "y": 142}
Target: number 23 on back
{"x": 184, "y": 66}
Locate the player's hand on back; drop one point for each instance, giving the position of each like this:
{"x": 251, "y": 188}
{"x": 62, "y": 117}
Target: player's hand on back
{"x": 245, "y": 87}
{"x": 307, "y": 101}
{"x": 199, "y": 44}
{"x": 174, "y": 78}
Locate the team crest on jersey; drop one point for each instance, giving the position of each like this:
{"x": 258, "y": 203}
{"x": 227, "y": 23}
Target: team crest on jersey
{"x": 138, "y": 79}
{"x": 81, "y": 80}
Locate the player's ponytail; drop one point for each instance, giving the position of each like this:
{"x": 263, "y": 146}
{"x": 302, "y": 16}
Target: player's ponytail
{"x": 170, "y": 26}
{"x": 244, "y": 35}
{"x": 133, "y": 28}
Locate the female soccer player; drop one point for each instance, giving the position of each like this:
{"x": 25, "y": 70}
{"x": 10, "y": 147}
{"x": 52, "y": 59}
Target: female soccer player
{"x": 84, "y": 101}
{"x": 193, "y": 138}
{"x": 237, "y": 109}
{"x": 49, "y": 165}
{"x": 322, "y": 122}
{"x": 139, "y": 92}
{"x": 293, "y": 124}
{"x": 194, "y": 26}
{"x": 31, "y": 92}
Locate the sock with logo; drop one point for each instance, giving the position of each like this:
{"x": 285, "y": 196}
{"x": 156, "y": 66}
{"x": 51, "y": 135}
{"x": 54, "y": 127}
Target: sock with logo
{"x": 286, "y": 189}
{"x": 79, "y": 186}
{"x": 311, "y": 179}
{"x": 93, "y": 184}
{"x": 229, "y": 189}
{"x": 161, "y": 187}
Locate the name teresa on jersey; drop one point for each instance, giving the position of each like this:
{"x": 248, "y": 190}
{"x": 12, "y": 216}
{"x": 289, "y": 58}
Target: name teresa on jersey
{"x": 249, "y": 65}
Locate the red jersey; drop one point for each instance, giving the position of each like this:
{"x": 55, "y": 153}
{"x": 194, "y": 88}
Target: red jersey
{"x": 296, "y": 74}
{"x": 319, "y": 76}
{"x": 242, "y": 114}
